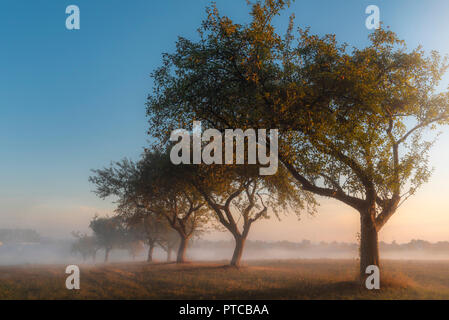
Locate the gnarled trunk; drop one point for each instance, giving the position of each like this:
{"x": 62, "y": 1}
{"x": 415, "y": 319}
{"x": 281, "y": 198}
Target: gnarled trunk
{"x": 106, "y": 255}
{"x": 238, "y": 250}
{"x": 369, "y": 244}
{"x": 150, "y": 252}
{"x": 181, "y": 258}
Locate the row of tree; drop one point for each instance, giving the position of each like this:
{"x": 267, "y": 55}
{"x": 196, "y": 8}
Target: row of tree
{"x": 154, "y": 194}
{"x": 353, "y": 126}
{"x": 125, "y": 232}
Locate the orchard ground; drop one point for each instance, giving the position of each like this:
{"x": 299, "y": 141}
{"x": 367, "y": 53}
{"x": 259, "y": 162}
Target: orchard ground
{"x": 269, "y": 279}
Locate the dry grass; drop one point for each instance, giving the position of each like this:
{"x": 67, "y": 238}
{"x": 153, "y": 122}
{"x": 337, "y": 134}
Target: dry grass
{"x": 283, "y": 279}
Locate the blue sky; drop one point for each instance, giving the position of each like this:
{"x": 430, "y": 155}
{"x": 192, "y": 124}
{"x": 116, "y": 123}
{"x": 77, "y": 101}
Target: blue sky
{"x": 71, "y": 101}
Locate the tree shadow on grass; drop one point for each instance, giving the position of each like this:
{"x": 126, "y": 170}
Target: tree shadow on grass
{"x": 204, "y": 268}
{"x": 313, "y": 290}
{"x": 297, "y": 291}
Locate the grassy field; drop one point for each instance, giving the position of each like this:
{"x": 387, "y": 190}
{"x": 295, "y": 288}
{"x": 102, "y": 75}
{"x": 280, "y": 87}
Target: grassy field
{"x": 283, "y": 279}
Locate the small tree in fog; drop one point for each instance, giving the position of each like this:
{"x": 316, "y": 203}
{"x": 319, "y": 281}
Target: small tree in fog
{"x": 169, "y": 242}
{"x": 109, "y": 232}
{"x": 85, "y": 245}
{"x": 144, "y": 226}
{"x": 135, "y": 248}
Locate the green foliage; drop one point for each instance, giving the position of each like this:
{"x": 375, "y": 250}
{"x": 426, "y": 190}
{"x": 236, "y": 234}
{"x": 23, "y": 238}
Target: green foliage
{"x": 353, "y": 122}
{"x": 109, "y": 232}
{"x": 85, "y": 245}
{"x": 153, "y": 189}
{"x": 239, "y": 196}
{"x": 146, "y": 226}
{"x": 164, "y": 189}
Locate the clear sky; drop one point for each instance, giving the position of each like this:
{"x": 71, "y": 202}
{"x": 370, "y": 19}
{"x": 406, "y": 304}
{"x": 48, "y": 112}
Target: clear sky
{"x": 71, "y": 101}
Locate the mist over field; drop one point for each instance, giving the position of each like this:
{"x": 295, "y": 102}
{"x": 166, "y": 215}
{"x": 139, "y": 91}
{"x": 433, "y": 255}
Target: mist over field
{"x": 21, "y": 247}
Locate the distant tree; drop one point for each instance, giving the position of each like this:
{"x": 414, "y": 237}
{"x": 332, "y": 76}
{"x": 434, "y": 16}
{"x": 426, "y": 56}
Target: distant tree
{"x": 134, "y": 236}
{"x": 354, "y": 126}
{"x": 135, "y": 248}
{"x": 146, "y": 226}
{"x": 169, "y": 242}
{"x": 155, "y": 185}
{"x": 109, "y": 233}
{"x": 85, "y": 245}
{"x": 166, "y": 192}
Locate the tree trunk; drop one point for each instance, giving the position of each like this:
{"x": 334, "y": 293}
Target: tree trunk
{"x": 369, "y": 246}
{"x": 238, "y": 250}
{"x": 150, "y": 253}
{"x": 106, "y": 255}
{"x": 169, "y": 249}
{"x": 182, "y": 250}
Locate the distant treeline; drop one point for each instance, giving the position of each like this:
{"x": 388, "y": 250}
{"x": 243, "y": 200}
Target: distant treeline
{"x": 441, "y": 246}
{"x": 19, "y": 236}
